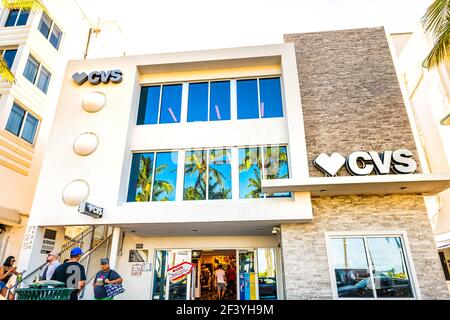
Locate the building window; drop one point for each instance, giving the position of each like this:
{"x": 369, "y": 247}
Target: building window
{"x": 156, "y": 107}
{"x": 370, "y": 267}
{"x": 209, "y": 101}
{"x": 153, "y": 177}
{"x": 17, "y": 18}
{"x": 50, "y": 30}
{"x": 37, "y": 74}
{"x": 21, "y": 123}
{"x": 259, "y": 98}
{"x": 9, "y": 55}
{"x": 251, "y": 169}
{"x": 207, "y": 174}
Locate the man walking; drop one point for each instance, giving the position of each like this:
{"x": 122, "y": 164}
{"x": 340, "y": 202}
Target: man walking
{"x": 220, "y": 281}
{"x": 72, "y": 273}
{"x": 52, "y": 264}
{"x": 105, "y": 276}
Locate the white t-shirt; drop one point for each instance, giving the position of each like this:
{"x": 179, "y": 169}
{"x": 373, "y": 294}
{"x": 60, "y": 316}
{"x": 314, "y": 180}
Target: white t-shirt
{"x": 220, "y": 276}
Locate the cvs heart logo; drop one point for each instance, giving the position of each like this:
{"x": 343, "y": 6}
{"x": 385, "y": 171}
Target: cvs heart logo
{"x": 80, "y": 78}
{"x": 330, "y": 165}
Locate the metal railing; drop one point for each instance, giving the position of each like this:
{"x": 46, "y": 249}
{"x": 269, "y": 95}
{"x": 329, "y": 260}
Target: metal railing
{"x": 77, "y": 241}
{"x": 29, "y": 277}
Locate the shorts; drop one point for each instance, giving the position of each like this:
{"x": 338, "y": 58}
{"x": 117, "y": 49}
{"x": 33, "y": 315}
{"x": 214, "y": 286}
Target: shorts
{"x": 221, "y": 286}
{"x": 2, "y": 285}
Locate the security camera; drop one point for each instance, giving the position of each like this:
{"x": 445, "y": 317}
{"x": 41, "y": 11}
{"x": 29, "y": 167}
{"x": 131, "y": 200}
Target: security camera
{"x": 275, "y": 230}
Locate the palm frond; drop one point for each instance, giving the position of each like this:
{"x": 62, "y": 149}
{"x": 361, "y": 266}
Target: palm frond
{"x": 5, "y": 73}
{"x": 32, "y": 5}
{"x": 436, "y": 22}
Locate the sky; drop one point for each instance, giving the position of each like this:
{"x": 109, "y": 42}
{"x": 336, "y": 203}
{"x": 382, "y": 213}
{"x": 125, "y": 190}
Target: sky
{"x": 150, "y": 26}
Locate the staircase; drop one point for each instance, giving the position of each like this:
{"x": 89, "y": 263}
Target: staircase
{"x": 90, "y": 259}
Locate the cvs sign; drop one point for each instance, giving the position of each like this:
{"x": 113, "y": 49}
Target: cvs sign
{"x": 361, "y": 163}
{"x": 96, "y": 77}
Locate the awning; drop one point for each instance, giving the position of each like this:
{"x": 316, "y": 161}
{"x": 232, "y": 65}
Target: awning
{"x": 426, "y": 184}
{"x": 10, "y": 217}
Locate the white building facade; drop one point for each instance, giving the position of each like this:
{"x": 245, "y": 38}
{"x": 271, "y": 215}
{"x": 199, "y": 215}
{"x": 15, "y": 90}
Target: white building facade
{"x": 428, "y": 92}
{"x": 215, "y": 157}
{"x": 36, "y": 47}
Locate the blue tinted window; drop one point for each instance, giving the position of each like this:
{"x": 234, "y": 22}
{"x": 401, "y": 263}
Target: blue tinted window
{"x": 270, "y": 98}
{"x": 165, "y": 182}
{"x": 170, "y": 104}
{"x": 31, "y": 69}
{"x": 247, "y": 99}
{"x": 219, "y": 183}
{"x": 140, "y": 186}
{"x": 23, "y": 18}
{"x": 12, "y": 17}
{"x": 149, "y": 105}
{"x": 55, "y": 37}
{"x": 198, "y": 102}
{"x": 250, "y": 173}
{"x": 43, "y": 80}
{"x": 30, "y": 128}
{"x": 9, "y": 56}
{"x": 15, "y": 119}
{"x": 220, "y": 101}
{"x": 195, "y": 175}
{"x": 44, "y": 25}
{"x": 276, "y": 166}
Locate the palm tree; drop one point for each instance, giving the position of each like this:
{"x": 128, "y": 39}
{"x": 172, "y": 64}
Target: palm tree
{"x": 436, "y": 21}
{"x": 220, "y": 193}
{"x": 161, "y": 187}
{"x": 196, "y": 164}
{"x": 275, "y": 157}
{"x": 144, "y": 182}
{"x": 255, "y": 185}
{"x": 31, "y": 5}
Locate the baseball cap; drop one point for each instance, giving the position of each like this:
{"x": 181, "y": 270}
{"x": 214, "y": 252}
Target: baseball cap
{"x": 53, "y": 253}
{"x": 76, "y": 251}
{"x": 104, "y": 261}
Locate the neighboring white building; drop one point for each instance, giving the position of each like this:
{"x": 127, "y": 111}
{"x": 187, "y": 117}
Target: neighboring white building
{"x": 429, "y": 96}
{"x": 36, "y": 47}
{"x": 218, "y": 157}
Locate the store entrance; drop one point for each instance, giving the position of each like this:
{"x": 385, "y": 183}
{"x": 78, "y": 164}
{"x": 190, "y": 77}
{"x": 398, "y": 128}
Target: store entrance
{"x": 188, "y": 274}
{"x": 207, "y": 265}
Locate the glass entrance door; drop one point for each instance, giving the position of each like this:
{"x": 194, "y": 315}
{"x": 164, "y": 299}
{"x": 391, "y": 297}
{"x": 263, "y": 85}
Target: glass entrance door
{"x": 178, "y": 288}
{"x": 247, "y": 275}
{"x": 165, "y": 287}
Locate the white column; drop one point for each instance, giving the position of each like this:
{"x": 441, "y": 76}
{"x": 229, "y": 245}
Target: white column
{"x": 233, "y": 100}
{"x": 115, "y": 241}
{"x": 234, "y": 173}
{"x": 184, "y": 102}
{"x": 30, "y": 255}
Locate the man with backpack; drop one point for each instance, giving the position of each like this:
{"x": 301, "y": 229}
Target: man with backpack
{"x": 106, "y": 276}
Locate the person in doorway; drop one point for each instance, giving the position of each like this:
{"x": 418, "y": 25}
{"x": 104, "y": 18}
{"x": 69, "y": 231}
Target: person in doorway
{"x": 72, "y": 273}
{"x": 7, "y": 270}
{"x": 221, "y": 283}
{"x": 105, "y": 276}
{"x": 231, "y": 278}
{"x": 52, "y": 264}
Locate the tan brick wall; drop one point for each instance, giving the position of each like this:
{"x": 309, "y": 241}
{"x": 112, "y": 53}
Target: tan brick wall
{"x": 305, "y": 262}
{"x": 352, "y": 101}
{"x": 350, "y": 94}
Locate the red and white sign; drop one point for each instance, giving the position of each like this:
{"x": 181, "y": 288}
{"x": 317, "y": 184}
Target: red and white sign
{"x": 179, "y": 271}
